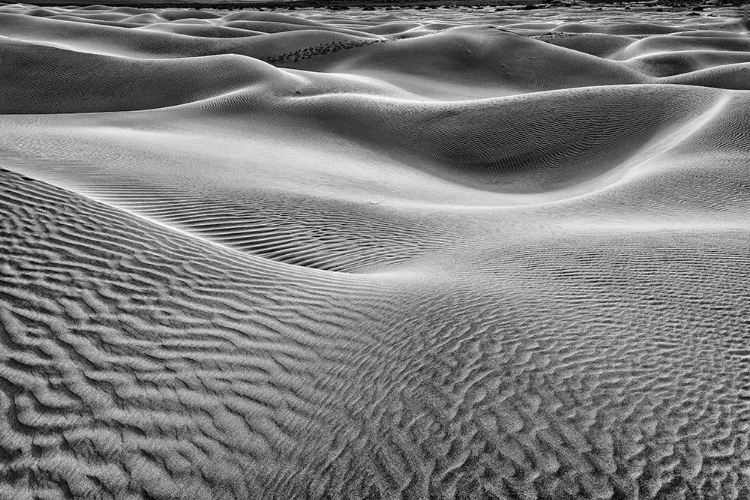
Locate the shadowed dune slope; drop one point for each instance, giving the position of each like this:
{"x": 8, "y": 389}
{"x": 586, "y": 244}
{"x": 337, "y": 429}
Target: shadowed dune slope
{"x": 180, "y": 14}
{"x": 676, "y": 63}
{"x": 476, "y": 57}
{"x": 438, "y": 253}
{"x": 39, "y": 79}
{"x": 100, "y": 39}
{"x": 729, "y": 76}
{"x": 141, "y": 43}
{"x": 539, "y": 142}
{"x": 661, "y": 44}
{"x": 100, "y": 22}
{"x": 595, "y": 44}
{"x": 206, "y": 31}
{"x": 627, "y": 29}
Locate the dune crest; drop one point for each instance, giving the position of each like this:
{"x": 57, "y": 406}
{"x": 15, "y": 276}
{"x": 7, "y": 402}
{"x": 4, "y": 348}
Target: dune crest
{"x": 416, "y": 253}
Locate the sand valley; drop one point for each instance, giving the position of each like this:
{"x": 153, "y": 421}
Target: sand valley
{"x": 417, "y": 253}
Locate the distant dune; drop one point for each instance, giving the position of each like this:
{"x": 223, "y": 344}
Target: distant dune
{"x": 425, "y": 254}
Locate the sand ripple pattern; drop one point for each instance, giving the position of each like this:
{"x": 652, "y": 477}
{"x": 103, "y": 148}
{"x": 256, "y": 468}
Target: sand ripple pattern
{"x": 450, "y": 253}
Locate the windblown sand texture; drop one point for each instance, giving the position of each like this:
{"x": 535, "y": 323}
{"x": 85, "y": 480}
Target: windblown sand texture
{"x": 393, "y": 254}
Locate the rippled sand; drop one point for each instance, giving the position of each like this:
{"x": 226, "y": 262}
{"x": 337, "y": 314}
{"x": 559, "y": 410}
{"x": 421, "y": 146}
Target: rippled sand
{"x": 442, "y": 253}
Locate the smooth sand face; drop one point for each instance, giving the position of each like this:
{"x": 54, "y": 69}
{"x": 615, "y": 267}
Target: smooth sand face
{"x": 444, "y": 253}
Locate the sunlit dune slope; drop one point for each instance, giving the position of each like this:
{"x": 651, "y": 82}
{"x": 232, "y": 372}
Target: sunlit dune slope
{"x": 40, "y": 79}
{"x": 676, "y": 63}
{"x": 479, "y": 57}
{"x": 449, "y": 253}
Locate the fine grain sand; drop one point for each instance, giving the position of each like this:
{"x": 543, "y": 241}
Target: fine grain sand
{"x": 449, "y": 253}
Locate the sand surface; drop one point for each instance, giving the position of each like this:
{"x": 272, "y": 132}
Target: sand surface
{"x": 448, "y": 253}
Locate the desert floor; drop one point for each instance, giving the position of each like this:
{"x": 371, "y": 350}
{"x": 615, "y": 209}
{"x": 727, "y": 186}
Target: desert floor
{"x": 442, "y": 253}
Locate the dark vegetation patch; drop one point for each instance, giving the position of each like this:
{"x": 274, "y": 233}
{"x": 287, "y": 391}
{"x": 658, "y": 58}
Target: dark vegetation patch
{"x": 317, "y": 50}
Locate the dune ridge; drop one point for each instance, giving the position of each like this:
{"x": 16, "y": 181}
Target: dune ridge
{"x": 449, "y": 253}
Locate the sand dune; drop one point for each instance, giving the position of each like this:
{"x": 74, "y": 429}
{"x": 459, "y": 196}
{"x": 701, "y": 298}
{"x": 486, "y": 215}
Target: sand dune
{"x": 628, "y": 29}
{"x": 657, "y": 44}
{"x": 39, "y": 79}
{"x": 449, "y": 253}
{"x": 676, "y": 63}
{"x": 596, "y": 44}
{"x": 730, "y": 76}
{"x": 487, "y": 59}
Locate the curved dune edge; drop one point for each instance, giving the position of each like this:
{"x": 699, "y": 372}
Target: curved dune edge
{"x": 296, "y": 389}
{"x": 449, "y": 253}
